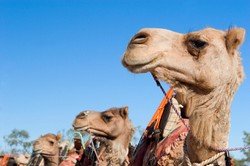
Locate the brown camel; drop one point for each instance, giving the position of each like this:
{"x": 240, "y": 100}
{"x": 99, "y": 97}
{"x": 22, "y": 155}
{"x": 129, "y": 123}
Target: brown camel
{"x": 112, "y": 129}
{"x": 48, "y": 147}
{"x": 205, "y": 69}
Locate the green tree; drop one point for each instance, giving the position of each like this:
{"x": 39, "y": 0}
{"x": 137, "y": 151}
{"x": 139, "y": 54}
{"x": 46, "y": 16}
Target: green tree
{"x": 246, "y": 160}
{"x": 18, "y": 142}
{"x": 2, "y": 152}
{"x": 67, "y": 135}
{"x": 137, "y": 135}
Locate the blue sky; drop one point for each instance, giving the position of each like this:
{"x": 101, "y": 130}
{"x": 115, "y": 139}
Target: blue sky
{"x": 60, "y": 57}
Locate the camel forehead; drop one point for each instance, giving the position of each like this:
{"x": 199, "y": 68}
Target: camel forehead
{"x": 158, "y": 30}
{"x": 210, "y": 33}
{"x": 113, "y": 111}
{"x": 49, "y": 136}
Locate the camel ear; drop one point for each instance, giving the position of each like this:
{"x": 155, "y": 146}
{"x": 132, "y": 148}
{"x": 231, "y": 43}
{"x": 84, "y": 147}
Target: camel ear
{"x": 58, "y": 137}
{"x": 124, "y": 112}
{"x": 234, "y": 38}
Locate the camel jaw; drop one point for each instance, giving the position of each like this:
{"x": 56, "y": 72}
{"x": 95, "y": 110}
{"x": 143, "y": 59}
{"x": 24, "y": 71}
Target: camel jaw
{"x": 92, "y": 131}
{"x": 135, "y": 67}
{"x": 81, "y": 128}
{"x": 37, "y": 151}
{"x": 41, "y": 152}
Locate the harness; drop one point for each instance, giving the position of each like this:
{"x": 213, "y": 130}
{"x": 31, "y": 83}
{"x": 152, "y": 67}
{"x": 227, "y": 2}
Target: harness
{"x": 38, "y": 159}
{"x": 152, "y": 143}
{"x": 220, "y": 153}
{"x": 151, "y": 139}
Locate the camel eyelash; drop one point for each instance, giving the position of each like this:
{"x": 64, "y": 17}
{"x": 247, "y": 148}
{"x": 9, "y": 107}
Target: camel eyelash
{"x": 197, "y": 43}
{"x": 106, "y": 118}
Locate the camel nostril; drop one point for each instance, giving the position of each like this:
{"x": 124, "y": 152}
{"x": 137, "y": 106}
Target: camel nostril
{"x": 83, "y": 114}
{"x": 140, "y": 38}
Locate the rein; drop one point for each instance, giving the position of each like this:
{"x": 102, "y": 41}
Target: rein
{"x": 39, "y": 156}
{"x": 169, "y": 100}
{"x": 94, "y": 149}
{"x": 91, "y": 143}
{"x": 81, "y": 138}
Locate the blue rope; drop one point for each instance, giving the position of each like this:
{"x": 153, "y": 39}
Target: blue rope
{"x": 81, "y": 138}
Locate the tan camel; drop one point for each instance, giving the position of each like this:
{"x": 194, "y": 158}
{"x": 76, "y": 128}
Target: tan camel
{"x": 48, "y": 147}
{"x": 205, "y": 69}
{"x": 112, "y": 129}
{"x": 22, "y": 159}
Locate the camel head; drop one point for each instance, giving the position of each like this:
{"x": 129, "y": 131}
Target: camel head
{"x": 47, "y": 145}
{"x": 109, "y": 124}
{"x": 197, "y": 62}
{"x": 112, "y": 129}
{"x": 22, "y": 159}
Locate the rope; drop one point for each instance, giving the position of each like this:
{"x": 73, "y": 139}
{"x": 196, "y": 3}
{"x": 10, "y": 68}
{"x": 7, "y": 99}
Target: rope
{"x": 93, "y": 146}
{"x": 203, "y": 163}
{"x": 81, "y": 138}
{"x": 169, "y": 100}
{"x": 231, "y": 149}
{"x": 159, "y": 84}
{"x": 208, "y": 161}
{"x": 91, "y": 142}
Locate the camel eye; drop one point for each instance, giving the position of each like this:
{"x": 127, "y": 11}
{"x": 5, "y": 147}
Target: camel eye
{"x": 51, "y": 143}
{"x": 197, "y": 43}
{"x": 107, "y": 118}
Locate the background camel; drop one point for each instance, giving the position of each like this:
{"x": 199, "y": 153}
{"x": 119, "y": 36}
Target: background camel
{"x": 112, "y": 129}
{"x": 205, "y": 69}
{"x": 22, "y": 159}
{"x": 14, "y": 160}
{"x": 48, "y": 147}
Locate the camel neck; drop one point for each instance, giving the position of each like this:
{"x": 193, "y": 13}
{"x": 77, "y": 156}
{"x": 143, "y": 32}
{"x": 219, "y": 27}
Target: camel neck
{"x": 115, "y": 151}
{"x": 111, "y": 153}
{"x": 124, "y": 139}
{"x": 209, "y": 123}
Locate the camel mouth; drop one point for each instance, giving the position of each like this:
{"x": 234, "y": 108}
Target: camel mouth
{"x": 140, "y": 67}
{"x": 98, "y": 133}
{"x": 100, "y": 139}
{"x": 37, "y": 151}
{"x": 81, "y": 128}
{"x": 92, "y": 131}
{"x": 44, "y": 153}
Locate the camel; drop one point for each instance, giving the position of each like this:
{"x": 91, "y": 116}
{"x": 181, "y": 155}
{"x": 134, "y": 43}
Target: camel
{"x": 204, "y": 68}
{"x": 22, "y": 159}
{"x": 112, "y": 130}
{"x": 48, "y": 147}
{"x": 7, "y": 160}
{"x": 17, "y": 159}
